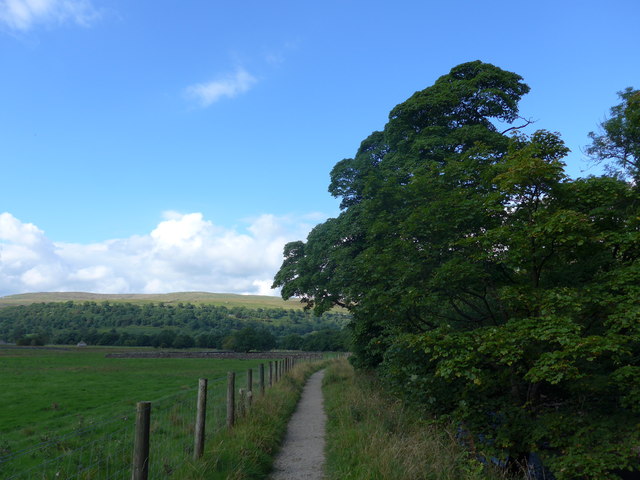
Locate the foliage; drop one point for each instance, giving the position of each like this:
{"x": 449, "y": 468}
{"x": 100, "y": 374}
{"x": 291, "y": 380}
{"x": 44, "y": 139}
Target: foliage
{"x": 327, "y": 340}
{"x": 619, "y": 137}
{"x": 249, "y": 339}
{"x": 183, "y": 325}
{"x": 36, "y": 340}
{"x": 482, "y": 281}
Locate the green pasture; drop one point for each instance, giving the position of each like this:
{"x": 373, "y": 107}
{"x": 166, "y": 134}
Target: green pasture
{"x": 49, "y": 392}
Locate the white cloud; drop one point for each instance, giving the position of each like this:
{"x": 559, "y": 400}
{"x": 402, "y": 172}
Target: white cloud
{"x": 22, "y": 15}
{"x": 276, "y": 57}
{"x": 228, "y": 86}
{"x": 185, "y": 252}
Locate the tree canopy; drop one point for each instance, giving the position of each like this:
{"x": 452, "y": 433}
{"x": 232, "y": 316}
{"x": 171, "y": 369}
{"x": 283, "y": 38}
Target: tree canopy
{"x": 484, "y": 282}
{"x": 619, "y": 137}
{"x": 182, "y": 325}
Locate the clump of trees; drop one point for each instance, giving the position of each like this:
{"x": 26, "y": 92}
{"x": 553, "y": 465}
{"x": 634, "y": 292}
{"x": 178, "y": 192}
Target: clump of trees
{"x": 162, "y": 325}
{"x": 36, "y": 340}
{"x": 484, "y": 282}
{"x": 327, "y": 340}
{"x": 249, "y": 339}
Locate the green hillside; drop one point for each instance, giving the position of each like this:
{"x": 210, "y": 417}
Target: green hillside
{"x": 178, "y": 320}
{"x": 220, "y": 299}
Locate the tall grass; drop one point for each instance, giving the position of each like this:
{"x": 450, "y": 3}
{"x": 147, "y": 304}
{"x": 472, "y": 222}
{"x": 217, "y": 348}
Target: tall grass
{"x": 371, "y": 436}
{"x": 247, "y": 451}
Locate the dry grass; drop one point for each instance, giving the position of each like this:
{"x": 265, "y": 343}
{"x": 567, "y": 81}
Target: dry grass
{"x": 371, "y": 436}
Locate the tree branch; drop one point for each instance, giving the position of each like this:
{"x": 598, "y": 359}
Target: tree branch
{"x": 527, "y": 121}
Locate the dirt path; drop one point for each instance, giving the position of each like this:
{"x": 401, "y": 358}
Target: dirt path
{"x": 302, "y": 454}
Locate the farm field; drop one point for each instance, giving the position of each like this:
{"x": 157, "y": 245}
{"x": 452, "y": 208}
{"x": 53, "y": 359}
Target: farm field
{"x": 46, "y": 392}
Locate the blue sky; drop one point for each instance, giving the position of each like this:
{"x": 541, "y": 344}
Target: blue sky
{"x": 162, "y": 146}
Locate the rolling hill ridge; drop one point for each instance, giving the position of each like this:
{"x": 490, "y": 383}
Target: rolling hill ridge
{"x": 220, "y": 299}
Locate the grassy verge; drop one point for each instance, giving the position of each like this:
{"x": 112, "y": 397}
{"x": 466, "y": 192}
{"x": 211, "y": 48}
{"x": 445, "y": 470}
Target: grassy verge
{"x": 247, "y": 451}
{"x": 371, "y": 436}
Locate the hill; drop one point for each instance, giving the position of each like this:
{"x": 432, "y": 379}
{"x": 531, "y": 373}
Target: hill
{"x": 175, "y": 320}
{"x": 205, "y": 298}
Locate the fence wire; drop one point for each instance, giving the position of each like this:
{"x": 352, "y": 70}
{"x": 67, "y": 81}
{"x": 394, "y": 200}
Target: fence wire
{"x": 101, "y": 451}
{"x": 104, "y": 451}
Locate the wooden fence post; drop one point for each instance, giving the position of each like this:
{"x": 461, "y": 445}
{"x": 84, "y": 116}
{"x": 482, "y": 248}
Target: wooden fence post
{"x": 249, "y": 386}
{"x": 201, "y": 418}
{"x": 231, "y": 398}
{"x": 261, "y": 379}
{"x": 270, "y": 373}
{"x": 140, "y": 466}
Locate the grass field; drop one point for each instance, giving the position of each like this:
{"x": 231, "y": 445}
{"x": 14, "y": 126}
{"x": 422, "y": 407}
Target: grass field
{"x": 46, "y": 393}
{"x": 220, "y": 299}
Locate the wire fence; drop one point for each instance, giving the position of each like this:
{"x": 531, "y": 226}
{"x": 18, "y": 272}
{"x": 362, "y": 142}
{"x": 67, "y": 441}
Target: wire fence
{"x": 98, "y": 451}
{"x": 105, "y": 450}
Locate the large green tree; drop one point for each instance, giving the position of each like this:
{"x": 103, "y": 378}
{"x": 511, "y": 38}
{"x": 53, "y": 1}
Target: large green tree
{"x": 483, "y": 281}
{"x": 398, "y": 194}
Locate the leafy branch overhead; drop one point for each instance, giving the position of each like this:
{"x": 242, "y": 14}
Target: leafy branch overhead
{"x": 619, "y": 137}
{"x": 485, "y": 283}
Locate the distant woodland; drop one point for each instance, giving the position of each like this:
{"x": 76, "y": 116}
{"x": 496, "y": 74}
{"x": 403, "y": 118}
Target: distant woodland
{"x": 183, "y": 325}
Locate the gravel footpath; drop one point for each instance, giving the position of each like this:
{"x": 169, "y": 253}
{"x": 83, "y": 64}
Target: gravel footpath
{"x": 302, "y": 454}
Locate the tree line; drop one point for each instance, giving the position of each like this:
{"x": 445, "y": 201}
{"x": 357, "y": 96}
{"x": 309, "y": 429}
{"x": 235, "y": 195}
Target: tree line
{"x": 485, "y": 284}
{"x": 182, "y": 325}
